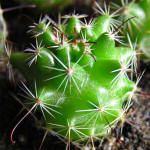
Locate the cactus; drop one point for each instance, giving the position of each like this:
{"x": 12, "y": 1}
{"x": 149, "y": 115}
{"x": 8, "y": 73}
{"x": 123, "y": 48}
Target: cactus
{"x": 76, "y": 76}
{"x": 139, "y": 26}
{"x": 80, "y": 77}
{"x": 5, "y": 51}
{"x": 3, "y": 33}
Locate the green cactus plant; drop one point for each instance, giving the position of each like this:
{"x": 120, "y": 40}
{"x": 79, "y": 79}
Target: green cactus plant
{"x": 3, "y": 25}
{"x": 5, "y": 51}
{"x": 3, "y": 33}
{"x": 76, "y": 76}
{"x": 139, "y": 26}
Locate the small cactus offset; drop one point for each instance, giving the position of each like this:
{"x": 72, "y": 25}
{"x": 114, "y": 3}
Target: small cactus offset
{"x": 138, "y": 26}
{"x": 3, "y": 32}
{"x": 5, "y": 51}
{"x": 76, "y": 76}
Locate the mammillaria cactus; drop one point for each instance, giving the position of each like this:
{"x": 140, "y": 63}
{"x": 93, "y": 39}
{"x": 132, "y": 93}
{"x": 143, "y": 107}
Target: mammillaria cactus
{"x": 4, "y": 50}
{"x": 139, "y": 26}
{"x": 3, "y": 33}
{"x": 79, "y": 77}
{"x": 76, "y": 76}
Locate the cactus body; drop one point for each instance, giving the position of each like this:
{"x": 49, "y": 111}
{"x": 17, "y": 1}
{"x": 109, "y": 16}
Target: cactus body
{"x": 77, "y": 77}
{"x": 3, "y": 32}
{"x": 139, "y": 25}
